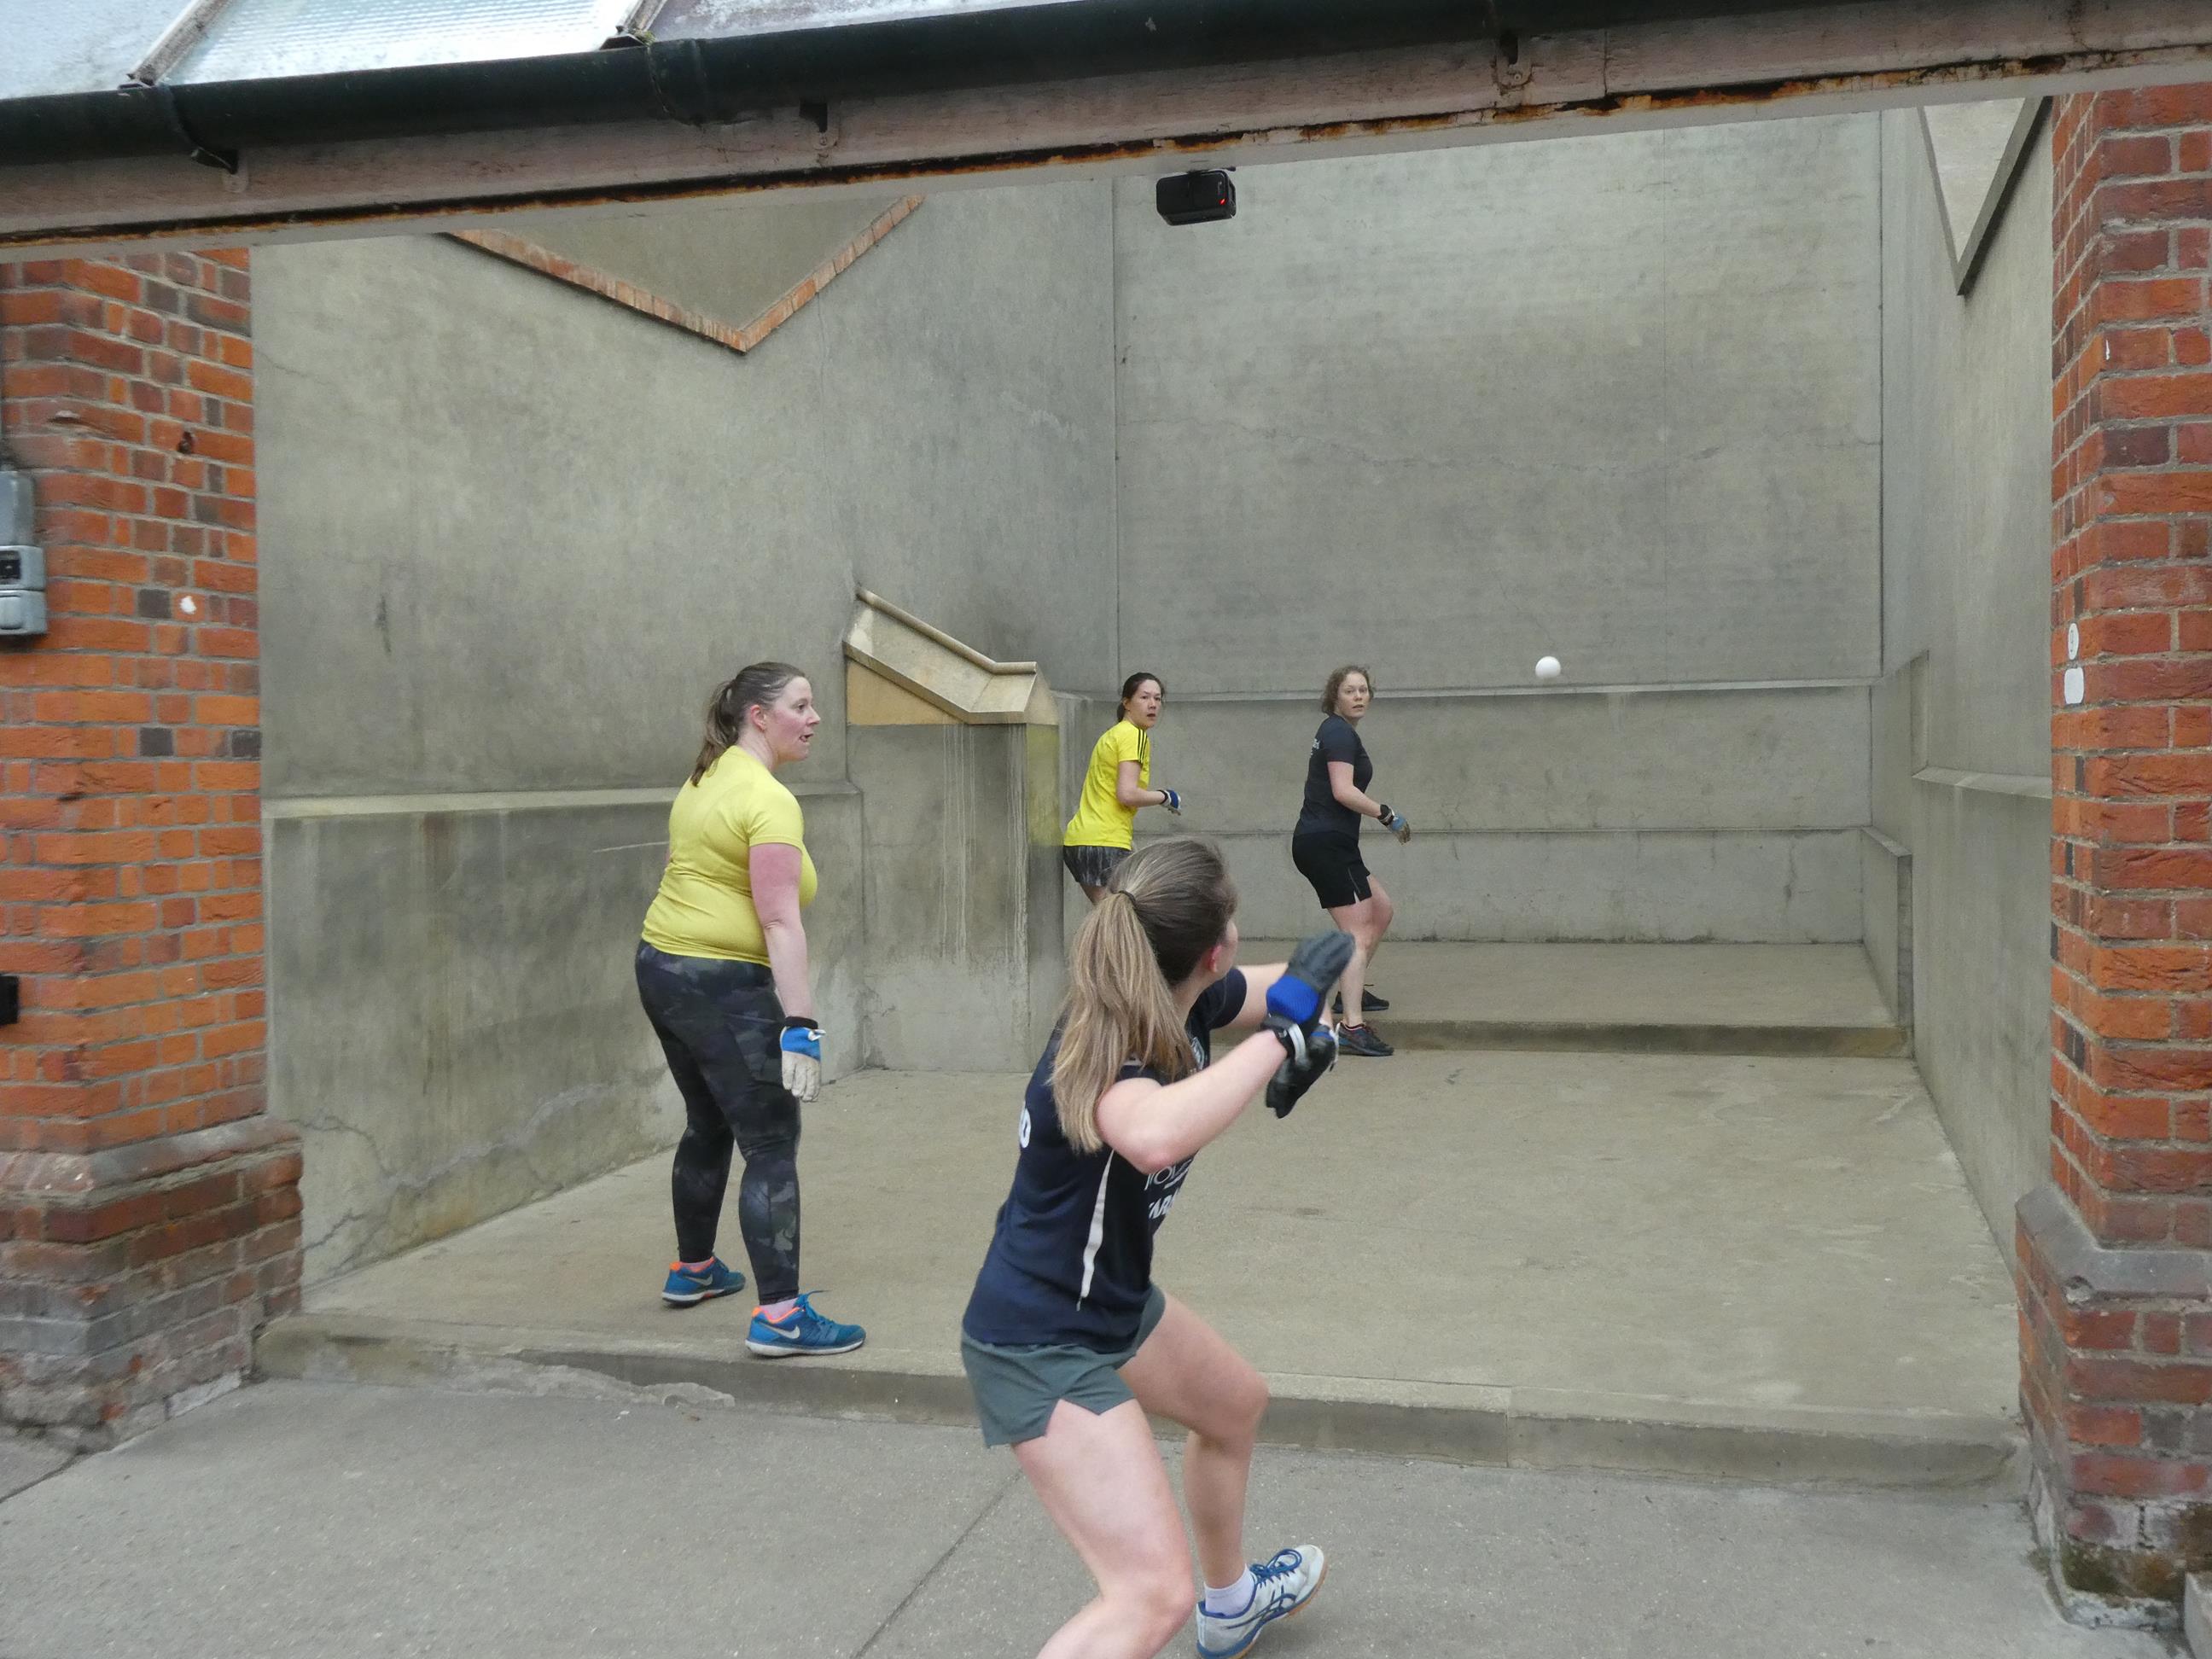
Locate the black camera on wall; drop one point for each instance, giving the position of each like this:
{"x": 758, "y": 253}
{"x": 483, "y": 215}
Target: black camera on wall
{"x": 1195, "y": 199}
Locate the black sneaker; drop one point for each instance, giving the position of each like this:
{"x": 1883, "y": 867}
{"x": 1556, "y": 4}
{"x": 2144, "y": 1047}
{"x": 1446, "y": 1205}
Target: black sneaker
{"x": 1362, "y": 1040}
{"x": 1369, "y": 1004}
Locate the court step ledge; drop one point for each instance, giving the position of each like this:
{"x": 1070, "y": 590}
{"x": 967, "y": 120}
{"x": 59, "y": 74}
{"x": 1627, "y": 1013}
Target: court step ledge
{"x": 1520, "y": 1428}
{"x": 1843, "y": 1041}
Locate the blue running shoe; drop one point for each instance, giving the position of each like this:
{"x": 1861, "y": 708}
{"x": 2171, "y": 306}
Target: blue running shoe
{"x": 1279, "y": 1587}
{"x": 686, "y": 1289}
{"x": 801, "y": 1331}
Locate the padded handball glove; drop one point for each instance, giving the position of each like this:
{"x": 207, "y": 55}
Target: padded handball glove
{"x": 801, "y": 1043}
{"x": 1295, "y": 998}
{"x": 1297, "y": 1073}
{"x": 1173, "y": 803}
{"x": 1397, "y": 823}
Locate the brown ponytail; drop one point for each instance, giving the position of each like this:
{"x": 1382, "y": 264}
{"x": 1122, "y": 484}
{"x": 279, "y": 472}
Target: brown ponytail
{"x": 1164, "y": 908}
{"x": 756, "y": 682}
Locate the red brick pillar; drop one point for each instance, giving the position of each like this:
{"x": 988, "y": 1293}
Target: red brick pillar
{"x": 148, "y": 1205}
{"x": 2115, "y": 1257}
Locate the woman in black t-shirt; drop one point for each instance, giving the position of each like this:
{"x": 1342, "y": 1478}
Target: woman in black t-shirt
{"x": 1325, "y": 845}
{"x": 1067, "y": 1342}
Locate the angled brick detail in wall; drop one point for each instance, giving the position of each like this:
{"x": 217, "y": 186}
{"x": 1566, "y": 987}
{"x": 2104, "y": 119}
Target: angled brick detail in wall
{"x": 740, "y": 336}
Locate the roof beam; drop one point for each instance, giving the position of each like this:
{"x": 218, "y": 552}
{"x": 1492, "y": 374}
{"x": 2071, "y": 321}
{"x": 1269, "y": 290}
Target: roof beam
{"x": 1786, "y": 60}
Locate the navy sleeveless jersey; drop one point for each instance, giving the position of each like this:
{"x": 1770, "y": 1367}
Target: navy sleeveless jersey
{"x": 1070, "y": 1256}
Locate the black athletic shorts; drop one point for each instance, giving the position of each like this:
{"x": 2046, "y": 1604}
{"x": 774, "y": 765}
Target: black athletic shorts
{"x": 1093, "y": 866}
{"x": 1331, "y": 863}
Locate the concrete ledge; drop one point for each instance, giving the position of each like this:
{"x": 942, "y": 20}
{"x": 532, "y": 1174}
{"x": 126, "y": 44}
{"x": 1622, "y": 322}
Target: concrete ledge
{"x": 2027, "y": 786}
{"x": 2082, "y": 1266}
{"x": 88, "y": 1178}
{"x": 25, "y": 1461}
{"x": 1523, "y": 1428}
{"x": 1599, "y": 1037}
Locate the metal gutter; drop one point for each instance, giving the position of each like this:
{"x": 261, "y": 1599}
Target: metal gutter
{"x": 715, "y": 61}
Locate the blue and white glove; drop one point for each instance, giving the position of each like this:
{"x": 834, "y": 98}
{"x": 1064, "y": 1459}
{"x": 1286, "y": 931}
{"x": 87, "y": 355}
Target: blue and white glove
{"x": 1301, "y": 991}
{"x": 1397, "y": 823}
{"x": 1173, "y": 803}
{"x": 801, "y": 1043}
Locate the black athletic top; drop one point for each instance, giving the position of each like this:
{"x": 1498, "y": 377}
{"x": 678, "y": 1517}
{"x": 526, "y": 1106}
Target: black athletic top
{"x": 1071, "y": 1255}
{"x": 1322, "y": 813}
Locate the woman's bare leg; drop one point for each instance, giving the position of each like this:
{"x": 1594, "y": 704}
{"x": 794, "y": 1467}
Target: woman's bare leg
{"x": 1188, "y": 1374}
{"x": 1100, "y": 1478}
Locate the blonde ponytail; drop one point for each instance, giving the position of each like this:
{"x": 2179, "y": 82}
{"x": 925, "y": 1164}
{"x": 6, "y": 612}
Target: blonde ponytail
{"x": 1165, "y": 907}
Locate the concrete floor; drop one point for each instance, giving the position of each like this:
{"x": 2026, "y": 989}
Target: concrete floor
{"x": 298, "y": 1521}
{"x": 1783, "y": 1246}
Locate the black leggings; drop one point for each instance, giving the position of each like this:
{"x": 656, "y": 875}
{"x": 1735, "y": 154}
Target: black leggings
{"x": 719, "y": 1023}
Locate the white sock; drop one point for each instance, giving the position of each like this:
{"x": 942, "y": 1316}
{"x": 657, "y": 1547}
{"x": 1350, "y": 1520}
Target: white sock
{"x": 777, "y": 1312}
{"x": 1230, "y": 1599}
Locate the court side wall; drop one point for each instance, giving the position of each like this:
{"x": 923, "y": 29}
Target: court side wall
{"x": 513, "y": 535}
{"x": 1614, "y": 398}
{"x": 1961, "y": 775}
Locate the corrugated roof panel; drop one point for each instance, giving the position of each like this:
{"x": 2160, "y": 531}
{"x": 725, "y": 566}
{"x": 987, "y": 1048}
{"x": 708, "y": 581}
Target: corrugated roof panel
{"x": 57, "y": 48}
{"x": 272, "y": 40}
{"x": 725, "y": 19}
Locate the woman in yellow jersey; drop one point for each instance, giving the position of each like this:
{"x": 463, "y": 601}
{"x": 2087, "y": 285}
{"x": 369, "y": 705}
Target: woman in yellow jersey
{"x": 723, "y": 974}
{"x": 1118, "y": 782}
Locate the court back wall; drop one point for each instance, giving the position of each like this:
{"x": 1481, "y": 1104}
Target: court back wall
{"x": 1614, "y": 398}
{"x": 1617, "y": 398}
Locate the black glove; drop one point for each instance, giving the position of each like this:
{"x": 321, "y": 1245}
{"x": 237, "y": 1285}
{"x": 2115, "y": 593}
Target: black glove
{"x": 1300, "y": 1071}
{"x": 1298, "y": 995}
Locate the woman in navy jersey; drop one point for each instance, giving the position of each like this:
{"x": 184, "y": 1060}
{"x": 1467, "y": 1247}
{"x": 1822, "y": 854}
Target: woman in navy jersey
{"x": 1325, "y": 845}
{"x": 1067, "y": 1341}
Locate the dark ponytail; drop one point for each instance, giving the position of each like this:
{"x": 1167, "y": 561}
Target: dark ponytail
{"x": 760, "y": 682}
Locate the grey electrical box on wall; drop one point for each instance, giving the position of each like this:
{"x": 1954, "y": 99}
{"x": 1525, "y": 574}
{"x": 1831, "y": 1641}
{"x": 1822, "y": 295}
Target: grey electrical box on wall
{"x": 23, "y": 567}
{"x": 22, "y": 591}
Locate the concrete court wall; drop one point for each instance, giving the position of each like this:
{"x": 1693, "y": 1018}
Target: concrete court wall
{"x": 1616, "y": 398}
{"x": 514, "y": 534}
{"x": 1569, "y": 817}
{"x": 1962, "y": 718}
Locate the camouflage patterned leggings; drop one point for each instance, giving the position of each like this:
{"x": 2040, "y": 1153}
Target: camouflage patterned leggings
{"x": 718, "y": 1023}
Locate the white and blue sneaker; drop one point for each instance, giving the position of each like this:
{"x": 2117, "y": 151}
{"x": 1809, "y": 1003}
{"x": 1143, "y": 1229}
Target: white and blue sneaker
{"x": 1280, "y": 1587}
{"x": 801, "y": 1331}
{"x": 686, "y": 1288}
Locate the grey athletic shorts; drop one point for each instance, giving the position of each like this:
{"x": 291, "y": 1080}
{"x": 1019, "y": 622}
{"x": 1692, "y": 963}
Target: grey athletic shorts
{"x": 1093, "y": 867}
{"x": 1015, "y": 1388}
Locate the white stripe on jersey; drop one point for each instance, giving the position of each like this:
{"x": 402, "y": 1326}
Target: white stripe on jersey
{"x": 1097, "y": 1232}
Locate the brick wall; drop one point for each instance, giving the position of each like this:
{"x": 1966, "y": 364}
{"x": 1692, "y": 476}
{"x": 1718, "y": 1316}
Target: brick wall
{"x": 149, "y": 1207}
{"x": 2115, "y": 1263}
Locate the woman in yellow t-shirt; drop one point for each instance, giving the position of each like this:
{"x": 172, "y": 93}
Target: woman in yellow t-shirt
{"x": 1118, "y": 782}
{"x": 723, "y": 974}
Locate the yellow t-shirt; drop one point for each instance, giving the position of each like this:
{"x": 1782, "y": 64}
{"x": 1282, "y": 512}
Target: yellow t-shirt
{"x": 705, "y": 905}
{"x": 1100, "y": 819}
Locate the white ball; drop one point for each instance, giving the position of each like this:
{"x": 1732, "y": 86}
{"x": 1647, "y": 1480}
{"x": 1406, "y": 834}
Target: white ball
{"x": 1547, "y": 668}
